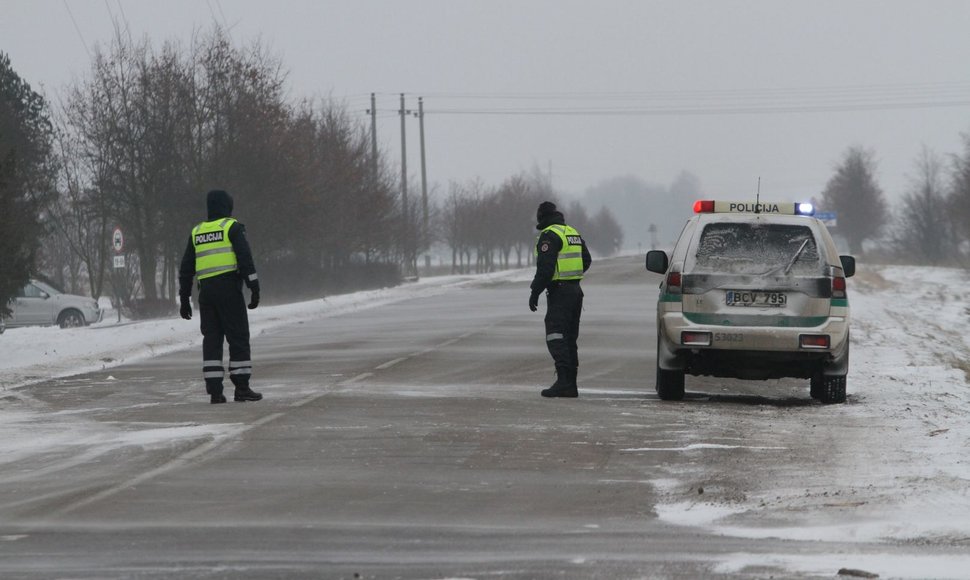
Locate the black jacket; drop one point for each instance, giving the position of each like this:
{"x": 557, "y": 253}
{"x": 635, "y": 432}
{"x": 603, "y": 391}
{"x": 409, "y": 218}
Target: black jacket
{"x": 547, "y": 248}
{"x": 219, "y": 205}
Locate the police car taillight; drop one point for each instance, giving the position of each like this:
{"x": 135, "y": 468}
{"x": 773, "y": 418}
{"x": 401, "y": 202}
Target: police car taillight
{"x": 838, "y": 287}
{"x": 673, "y": 282}
{"x": 813, "y": 341}
{"x": 695, "y": 338}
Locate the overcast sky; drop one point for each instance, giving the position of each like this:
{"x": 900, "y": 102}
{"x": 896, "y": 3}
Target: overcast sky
{"x": 728, "y": 90}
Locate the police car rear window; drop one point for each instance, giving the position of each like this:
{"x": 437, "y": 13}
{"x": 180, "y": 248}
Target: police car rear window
{"x": 757, "y": 249}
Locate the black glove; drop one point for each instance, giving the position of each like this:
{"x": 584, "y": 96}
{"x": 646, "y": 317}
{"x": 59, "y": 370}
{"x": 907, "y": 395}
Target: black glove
{"x": 253, "y": 293}
{"x": 534, "y": 301}
{"x": 185, "y": 311}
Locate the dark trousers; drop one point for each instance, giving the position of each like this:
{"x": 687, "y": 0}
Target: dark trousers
{"x": 222, "y": 311}
{"x": 564, "y": 305}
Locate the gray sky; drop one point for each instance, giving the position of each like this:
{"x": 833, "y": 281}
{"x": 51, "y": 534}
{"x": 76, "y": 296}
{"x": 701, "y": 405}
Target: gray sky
{"x": 729, "y": 90}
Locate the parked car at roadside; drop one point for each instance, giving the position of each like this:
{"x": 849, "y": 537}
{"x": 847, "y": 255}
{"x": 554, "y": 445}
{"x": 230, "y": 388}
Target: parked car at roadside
{"x": 38, "y": 303}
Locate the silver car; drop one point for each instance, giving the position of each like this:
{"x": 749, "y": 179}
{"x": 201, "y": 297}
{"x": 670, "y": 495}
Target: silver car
{"x": 753, "y": 291}
{"x": 38, "y": 303}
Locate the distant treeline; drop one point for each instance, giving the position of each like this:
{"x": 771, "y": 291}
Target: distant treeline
{"x": 930, "y": 224}
{"x": 137, "y": 141}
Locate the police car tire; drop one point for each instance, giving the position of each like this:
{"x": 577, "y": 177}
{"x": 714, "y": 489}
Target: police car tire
{"x": 833, "y": 390}
{"x": 817, "y": 386}
{"x": 670, "y": 385}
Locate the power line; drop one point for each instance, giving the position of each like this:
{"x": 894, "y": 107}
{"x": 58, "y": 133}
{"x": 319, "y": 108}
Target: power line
{"x": 875, "y": 98}
{"x": 630, "y": 112}
{"x": 937, "y": 88}
{"x": 114, "y": 22}
{"x": 77, "y": 28}
{"x": 124, "y": 18}
{"x": 746, "y": 101}
{"x": 212, "y": 12}
{"x": 225, "y": 22}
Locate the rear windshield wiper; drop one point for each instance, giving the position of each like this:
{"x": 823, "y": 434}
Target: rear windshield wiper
{"x": 795, "y": 257}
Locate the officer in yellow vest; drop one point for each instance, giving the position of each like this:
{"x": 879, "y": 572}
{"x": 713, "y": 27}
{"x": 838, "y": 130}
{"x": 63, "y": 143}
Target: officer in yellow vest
{"x": 561, "y": 261}
{"x": 218, "y": 255}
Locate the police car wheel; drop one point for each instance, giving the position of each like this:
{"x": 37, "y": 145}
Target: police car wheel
{"x": 816, "y": 386}
{"x": 670, "y": 385}
{"x": 833, "y": 390}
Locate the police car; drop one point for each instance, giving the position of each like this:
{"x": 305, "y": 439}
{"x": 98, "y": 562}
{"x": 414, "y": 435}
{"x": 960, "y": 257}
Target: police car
{"x": 753, "y": 291}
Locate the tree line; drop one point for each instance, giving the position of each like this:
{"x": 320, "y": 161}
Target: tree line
{"x": 931, "y": 223}
{"x": 487, "y": 228}
{"x": 138, "y": 140}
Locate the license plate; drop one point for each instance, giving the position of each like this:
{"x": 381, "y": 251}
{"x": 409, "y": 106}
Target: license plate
{"x": 755, "y": 298}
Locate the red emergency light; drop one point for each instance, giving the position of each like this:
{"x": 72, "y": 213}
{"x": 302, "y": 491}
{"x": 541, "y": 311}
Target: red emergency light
{"x": 704, "y": 206}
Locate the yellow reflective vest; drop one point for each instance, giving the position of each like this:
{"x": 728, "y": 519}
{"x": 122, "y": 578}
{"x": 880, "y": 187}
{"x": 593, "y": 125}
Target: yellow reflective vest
{"x": 213, "y": 250}
{"x": 569, "y": 263}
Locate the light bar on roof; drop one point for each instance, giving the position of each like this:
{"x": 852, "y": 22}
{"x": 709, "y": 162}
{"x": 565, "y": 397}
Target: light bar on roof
{"x": 783, "y": 208}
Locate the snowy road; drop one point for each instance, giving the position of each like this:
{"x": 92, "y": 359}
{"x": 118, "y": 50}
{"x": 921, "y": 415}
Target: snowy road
{"x": 402, "y": 435}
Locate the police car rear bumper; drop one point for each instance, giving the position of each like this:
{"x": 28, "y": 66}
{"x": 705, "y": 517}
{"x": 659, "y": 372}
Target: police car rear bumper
{"x": 752, "y": 351}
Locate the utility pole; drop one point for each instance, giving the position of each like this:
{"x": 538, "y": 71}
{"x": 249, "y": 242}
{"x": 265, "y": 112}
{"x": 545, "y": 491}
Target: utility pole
{"x": 373, "y": 134}
{"x": 404, "y": 162}
{"x": 408, "y": 253}
{"x": 424, "y": 179}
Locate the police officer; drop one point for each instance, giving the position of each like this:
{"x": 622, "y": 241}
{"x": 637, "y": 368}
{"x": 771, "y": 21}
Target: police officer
{"x": 561, "y": 260}
{"x": 219, "y": 256}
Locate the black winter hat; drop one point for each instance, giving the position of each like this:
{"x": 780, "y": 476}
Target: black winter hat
{"x": 546, "y": 209}
{"x": 218, "y": 204}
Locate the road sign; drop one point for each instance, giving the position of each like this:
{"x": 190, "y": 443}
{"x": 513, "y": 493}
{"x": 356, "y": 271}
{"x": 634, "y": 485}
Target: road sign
{"x": 829, "y": 218}
{"x": 119, "y": 261}
{"x": 117, "y": 241}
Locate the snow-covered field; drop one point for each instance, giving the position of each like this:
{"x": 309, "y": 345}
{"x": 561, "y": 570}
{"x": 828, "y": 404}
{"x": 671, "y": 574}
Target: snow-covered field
{"x": 905, "y": 478}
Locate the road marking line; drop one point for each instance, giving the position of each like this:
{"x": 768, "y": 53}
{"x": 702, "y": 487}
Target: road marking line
{"x": 307, "y": 400}
{"x": 359, "y": 377}
{"x": 391, "y": 363}
{"x": 176, "y": 463}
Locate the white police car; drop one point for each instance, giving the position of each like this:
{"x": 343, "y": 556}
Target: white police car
{"x": 753, "y": 291}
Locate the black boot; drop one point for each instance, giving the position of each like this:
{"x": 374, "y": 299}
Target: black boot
{"x": 244, "y": 393}
{"x": 565, "y": 385}
{"x": 214, "y": 389}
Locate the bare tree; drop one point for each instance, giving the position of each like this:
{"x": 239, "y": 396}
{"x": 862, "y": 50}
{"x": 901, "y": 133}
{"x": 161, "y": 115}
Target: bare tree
{"x": 519, "y": 196}
{"x": 577, "y": 217}
{"x": 859, "y": 201}
{"x": 79, "y": 217}
{"x": 605, "y": 236}
{"x": 958, "y": 200}
{"x": 923, "y": 231}
{"x": 121, "y": 124}
{"x": 465, "y": 224}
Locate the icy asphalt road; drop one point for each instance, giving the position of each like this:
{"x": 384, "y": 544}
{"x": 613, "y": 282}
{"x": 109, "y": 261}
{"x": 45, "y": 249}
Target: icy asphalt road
{"x": 409, "y": 441}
